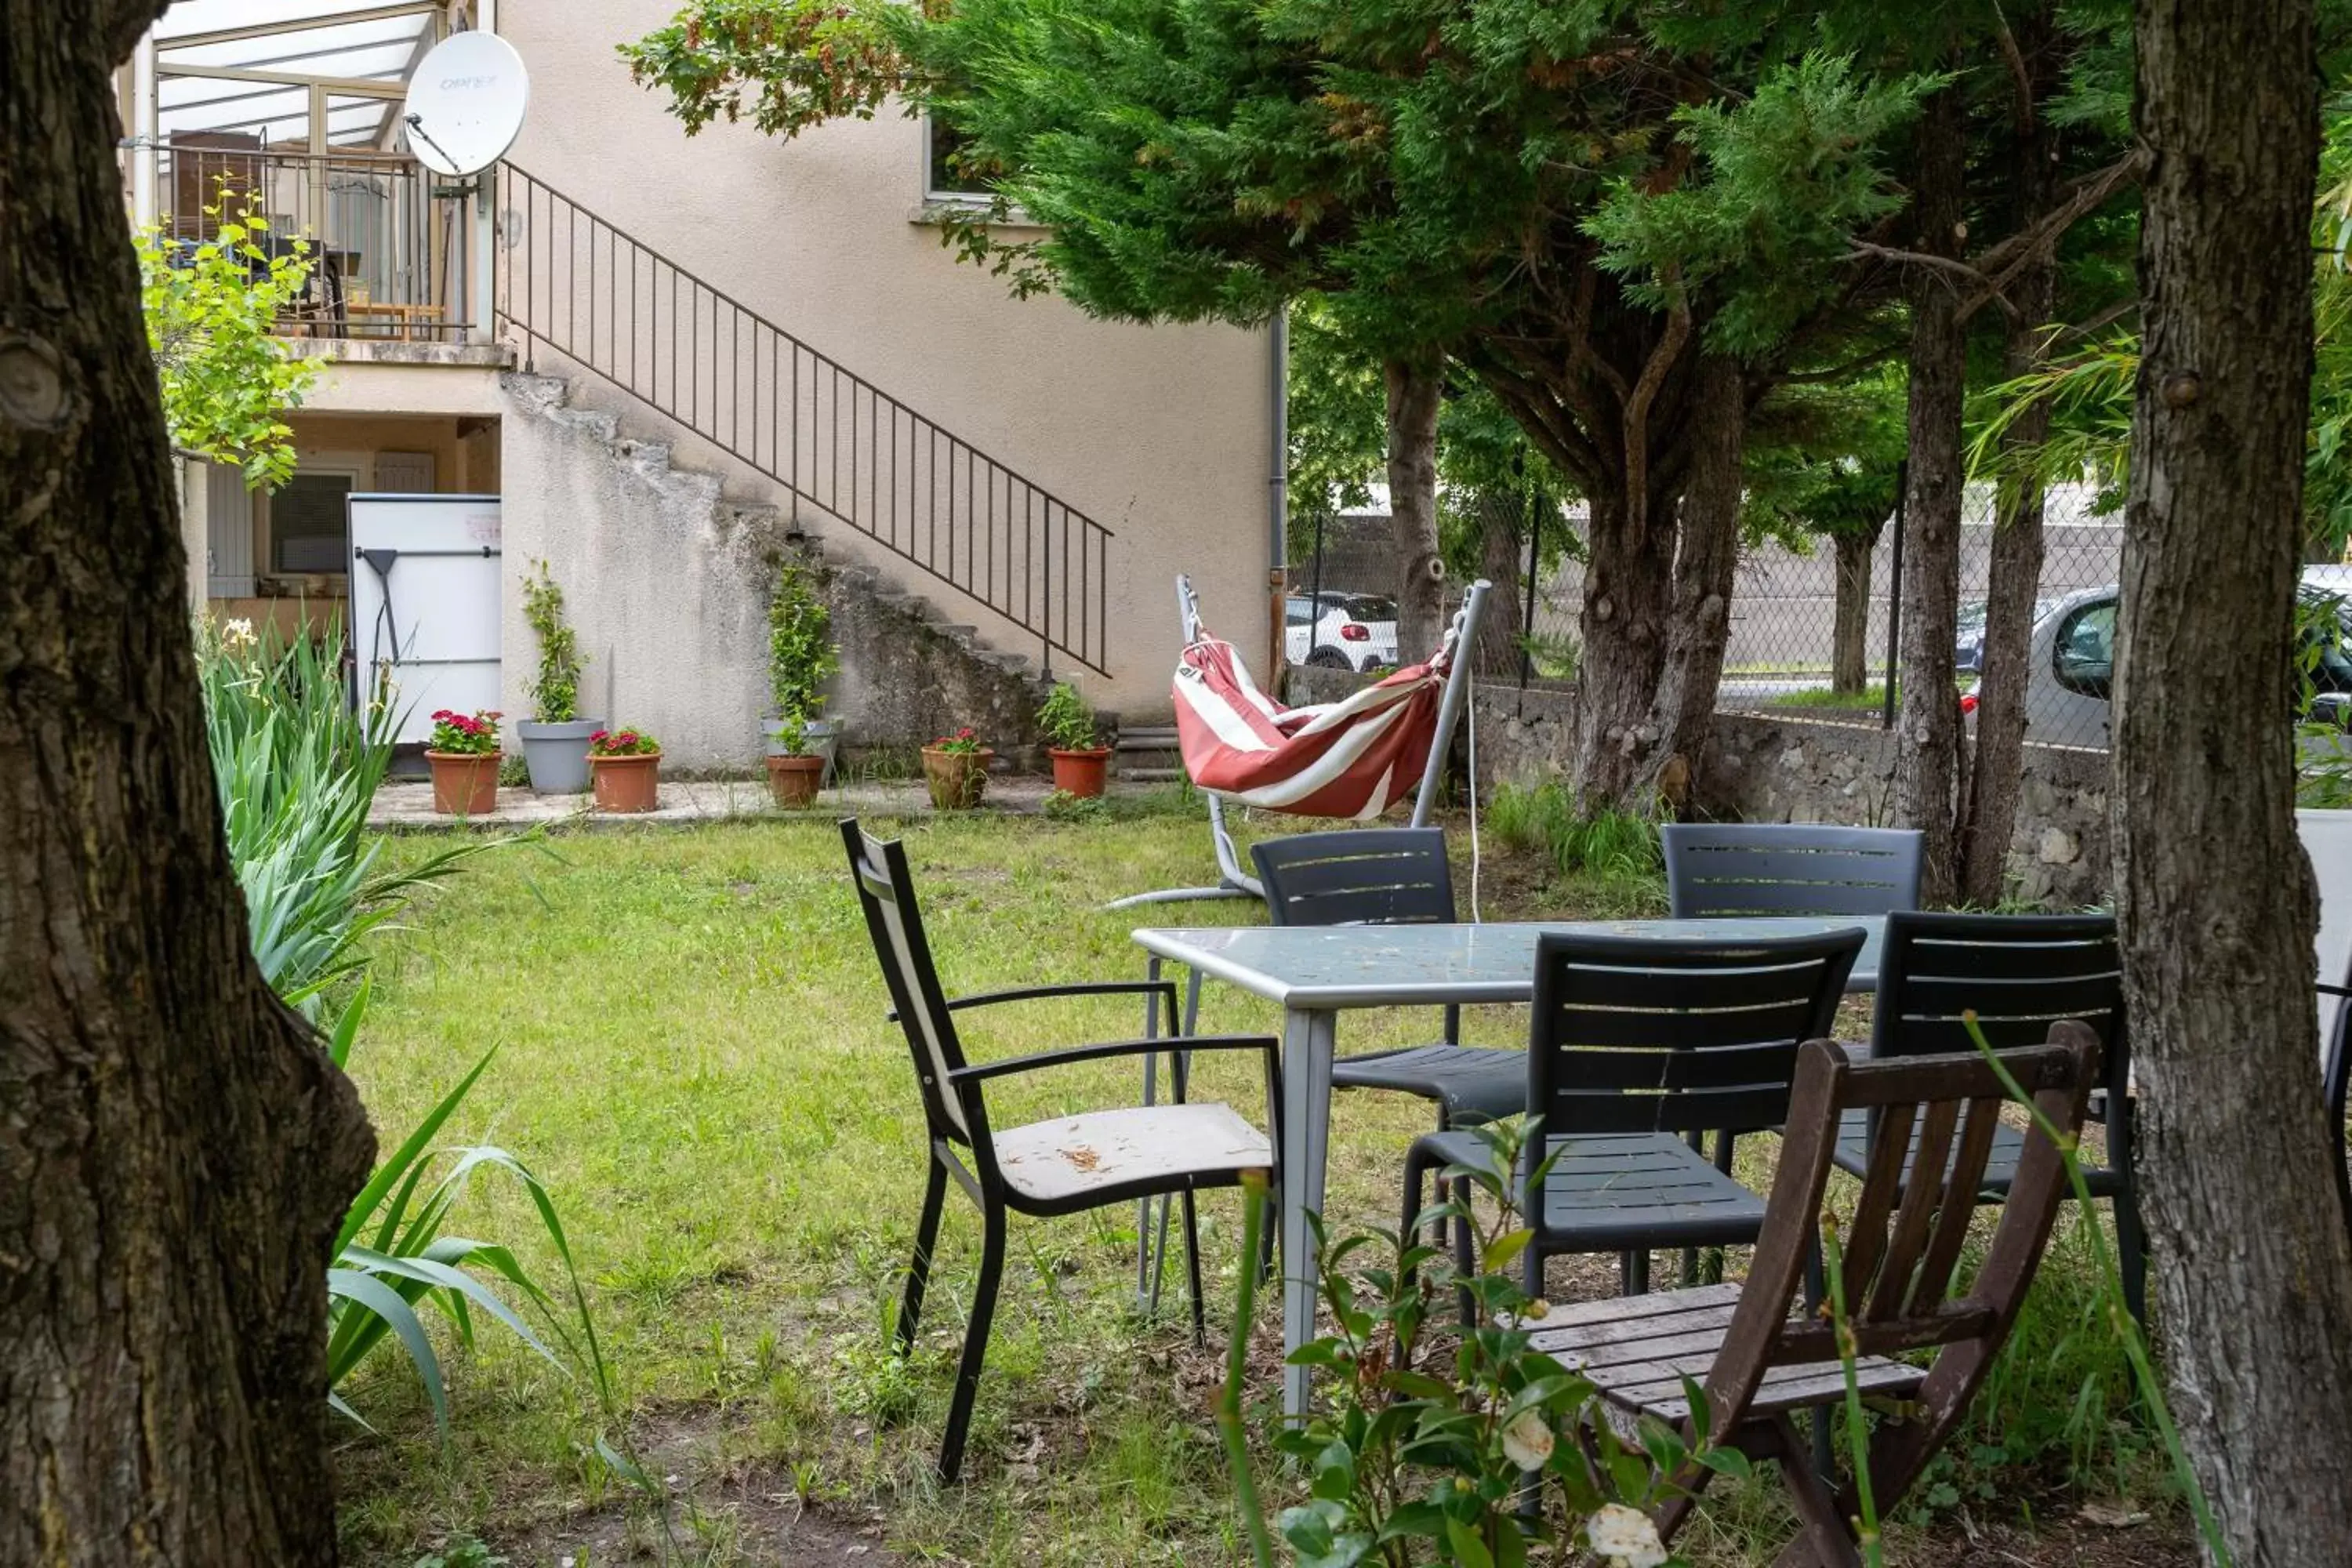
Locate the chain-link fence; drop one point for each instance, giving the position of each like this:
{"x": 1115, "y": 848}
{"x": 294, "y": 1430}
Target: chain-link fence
{"x": 1812, "y": 629}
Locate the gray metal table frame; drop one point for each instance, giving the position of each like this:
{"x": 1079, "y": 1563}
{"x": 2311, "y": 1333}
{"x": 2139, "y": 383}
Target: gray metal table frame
{"x": 1316, "y": 973}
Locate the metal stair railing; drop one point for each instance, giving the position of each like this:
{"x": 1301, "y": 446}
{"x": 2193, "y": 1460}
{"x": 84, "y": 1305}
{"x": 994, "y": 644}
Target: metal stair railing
{"x": 621, "y": 309}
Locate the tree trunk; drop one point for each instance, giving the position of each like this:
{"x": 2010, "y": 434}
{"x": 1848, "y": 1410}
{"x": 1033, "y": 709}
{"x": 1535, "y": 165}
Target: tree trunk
{"x": 1706, "y": 555}
{"x": 176, "y": 1149}
{"x": 1927, "y": 749}
{"x": 1415, "y": 393}
{"x": 1850, "y": 619}
{"x": 1628, "y": 596}
{"x": 1501, "y": 553}
{"x": 2215, "y": 897}
{"x": 1997, "y": 770}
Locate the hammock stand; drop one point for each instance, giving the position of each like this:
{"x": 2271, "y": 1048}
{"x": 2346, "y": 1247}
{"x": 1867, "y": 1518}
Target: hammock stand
{"x": 1232, "y": 880}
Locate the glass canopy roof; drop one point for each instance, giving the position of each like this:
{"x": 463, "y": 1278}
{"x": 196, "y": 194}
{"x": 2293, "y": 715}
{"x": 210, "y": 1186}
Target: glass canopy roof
{"x": 249, "y": 67}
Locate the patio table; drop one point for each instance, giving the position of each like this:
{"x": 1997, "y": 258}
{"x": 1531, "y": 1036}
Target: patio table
{"x": 1316, "y": 973}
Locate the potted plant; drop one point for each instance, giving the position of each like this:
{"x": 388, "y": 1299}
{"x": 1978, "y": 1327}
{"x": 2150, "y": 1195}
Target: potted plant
{"x": 794, "y": 771}
{"x": 801, "y": 655}
{"x": 1080, "y": 760}
{"x": 555, "y": 737}
{"x": 955, "y": 767}
{"x": 464, "y": 756}
{"x": 625, "y": 767}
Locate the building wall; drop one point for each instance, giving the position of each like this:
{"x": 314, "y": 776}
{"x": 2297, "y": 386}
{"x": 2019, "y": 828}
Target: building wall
{"x": 1159, "y": 434}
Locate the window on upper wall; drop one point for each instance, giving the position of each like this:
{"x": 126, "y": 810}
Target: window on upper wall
{"x": 307, "y": 532}
{"x": 945, "y": 179}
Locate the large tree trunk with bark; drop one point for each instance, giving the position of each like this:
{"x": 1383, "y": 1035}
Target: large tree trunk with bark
{"x": 1997, "y": 762}
{"x": 1415, "y": 394}
{"x": 1502, "y": 551}
{"x": 1849, "y": 615}
{"x": 1707, "y": 557}
{"x": 2253, "y": 1265}
{"x": 1997, "y": 768}
{"x": 1627, "y": 599}
{"x": 1927, "y": 749}
{"x": 175, "y": 1149}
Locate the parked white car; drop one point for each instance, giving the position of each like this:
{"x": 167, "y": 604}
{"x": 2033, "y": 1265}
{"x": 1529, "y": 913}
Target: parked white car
{"x": 1353, "y": 631}
{"x": 2073, "y": 662}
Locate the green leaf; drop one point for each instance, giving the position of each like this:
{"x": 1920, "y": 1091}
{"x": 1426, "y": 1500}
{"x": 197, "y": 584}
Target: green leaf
{"x": 1467, "y": 1549}
{"x": 373, "y": 1296}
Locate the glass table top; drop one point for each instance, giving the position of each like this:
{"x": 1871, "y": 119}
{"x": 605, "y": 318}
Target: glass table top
{"x": 1332, "y": 967}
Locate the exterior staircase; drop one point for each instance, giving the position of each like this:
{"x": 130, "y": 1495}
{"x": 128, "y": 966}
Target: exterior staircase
{"x": 910, "y": 670}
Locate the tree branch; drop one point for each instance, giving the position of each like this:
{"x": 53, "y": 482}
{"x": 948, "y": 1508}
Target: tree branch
{"x": 1863, "y": 248}
{"x": 2011, "y": 256}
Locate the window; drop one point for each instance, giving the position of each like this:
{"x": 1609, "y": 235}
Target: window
{"x": 945, "y": 178}
{"x": 309, "y": 528}
{"x": 2085, "y": 657}
{"x": 1298, "y": 612}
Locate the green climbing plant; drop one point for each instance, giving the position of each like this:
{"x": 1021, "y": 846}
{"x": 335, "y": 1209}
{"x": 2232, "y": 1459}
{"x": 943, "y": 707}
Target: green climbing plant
{"x": 555, "y": 690}
{"x": 801, "y": 654}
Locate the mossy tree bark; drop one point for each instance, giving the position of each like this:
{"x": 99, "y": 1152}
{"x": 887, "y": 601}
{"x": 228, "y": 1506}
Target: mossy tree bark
{"x": 2253, "y": 1265}
{"x": 175, "y": 1149}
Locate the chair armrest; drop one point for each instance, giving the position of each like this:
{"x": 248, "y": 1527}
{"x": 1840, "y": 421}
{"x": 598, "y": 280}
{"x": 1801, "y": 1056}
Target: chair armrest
{"x": 981, "y": 1071}
{"x": 1166, "y": 989}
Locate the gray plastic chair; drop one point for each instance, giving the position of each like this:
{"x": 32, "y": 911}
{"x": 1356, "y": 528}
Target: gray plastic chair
{"x": 1634, "y": 1046}
{"x": 2018, "y": 974}
{"x": 1391, "y": 876}
{"x": 1788, "y": 868}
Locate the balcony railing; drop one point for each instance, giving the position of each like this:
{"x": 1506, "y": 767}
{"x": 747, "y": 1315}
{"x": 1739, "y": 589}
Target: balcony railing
{"x": 390, "y": 240}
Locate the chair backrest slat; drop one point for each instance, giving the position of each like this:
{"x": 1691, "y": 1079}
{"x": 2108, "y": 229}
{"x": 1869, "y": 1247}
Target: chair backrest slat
{"x": 886, "y": 893}
{"x": 1736, "y": 869}
{"x": 1934, "y": 1278}
{"x": 1923, "y": 1197}
{"x": 1906, "y": 1253}
{"x": 1641, "y": 1035}
{"x": 1380, "y": 876}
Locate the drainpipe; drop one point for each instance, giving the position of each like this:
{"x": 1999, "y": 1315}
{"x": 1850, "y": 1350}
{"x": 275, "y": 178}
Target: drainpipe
{"x": 1277, "y": 487}
{"x": 480, "y": 274}
{"x": 144, "y": 133}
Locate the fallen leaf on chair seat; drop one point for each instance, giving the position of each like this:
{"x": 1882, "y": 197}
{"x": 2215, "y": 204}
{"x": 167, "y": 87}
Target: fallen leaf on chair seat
{"x": 1084, "y": 1159}
{"x": 2107, "y": 1516}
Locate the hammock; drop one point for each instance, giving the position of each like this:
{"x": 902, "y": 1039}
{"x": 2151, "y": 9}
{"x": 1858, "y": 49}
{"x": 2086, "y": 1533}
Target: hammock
{"x": 1353, "y": 758}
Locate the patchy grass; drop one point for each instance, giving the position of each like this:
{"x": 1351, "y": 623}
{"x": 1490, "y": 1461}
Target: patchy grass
{"x": 1873, "y": 697}
{"x": 692, "y": 1054}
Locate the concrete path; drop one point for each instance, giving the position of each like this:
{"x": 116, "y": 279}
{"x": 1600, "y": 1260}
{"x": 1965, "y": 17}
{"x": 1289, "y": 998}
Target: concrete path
{"x": 406, "y": 804}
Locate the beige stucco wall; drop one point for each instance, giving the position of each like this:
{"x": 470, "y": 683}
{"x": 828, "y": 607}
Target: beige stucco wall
{"x": 1160, "y": 433}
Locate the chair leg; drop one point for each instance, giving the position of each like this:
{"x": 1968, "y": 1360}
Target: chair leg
{"x": 1823, "y": 1538}
{"x": 1464, "y": 1265}
{"x": 1634, "y": 1270}
{"x": 975, "y": 1343}
{"x": 2131, "y": 1250}
{"x": 1192, "y": 1265}
{"x": 918, "y": 1272}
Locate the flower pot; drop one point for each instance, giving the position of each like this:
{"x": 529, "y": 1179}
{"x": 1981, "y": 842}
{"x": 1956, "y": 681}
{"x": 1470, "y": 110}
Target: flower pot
{"x": 557, "y": 754}
{"x": 957, "y": 779}
{"x": 1080, "y": 772}
{"x": 819, "y": 738}
{"x": 794, "y": 780}
{"x": 626, "y": 784}
{"x": 464, "y": 783}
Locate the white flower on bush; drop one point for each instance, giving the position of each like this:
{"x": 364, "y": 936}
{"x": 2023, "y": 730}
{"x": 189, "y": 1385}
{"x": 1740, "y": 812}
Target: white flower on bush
{"x": 1527, "y": 1441}
{"x": 238, "y": 634}
{"x": 1625, "y": 1537}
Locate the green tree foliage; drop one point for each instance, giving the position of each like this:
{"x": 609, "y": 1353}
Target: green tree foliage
{"x": 212, "y": 308}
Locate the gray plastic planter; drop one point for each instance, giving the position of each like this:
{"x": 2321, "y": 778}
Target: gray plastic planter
{"x": 557, "y": 754}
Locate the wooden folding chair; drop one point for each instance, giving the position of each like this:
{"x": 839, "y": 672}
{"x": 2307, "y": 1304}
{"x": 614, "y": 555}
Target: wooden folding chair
{"x": 1758, "y": 1358}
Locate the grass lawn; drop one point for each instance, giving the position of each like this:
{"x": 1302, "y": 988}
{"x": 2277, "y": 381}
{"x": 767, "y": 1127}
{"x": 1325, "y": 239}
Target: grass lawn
{"x": 691, "y": 1054}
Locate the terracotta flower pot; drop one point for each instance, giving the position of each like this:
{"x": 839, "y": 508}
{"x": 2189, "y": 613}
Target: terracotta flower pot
{"x": 793, "y": 781}
{"x": 1081, "y": 772}
{"x": 957, "y": 779}
{"x": 626, "y": 784}
{"x": 464, "y": 783}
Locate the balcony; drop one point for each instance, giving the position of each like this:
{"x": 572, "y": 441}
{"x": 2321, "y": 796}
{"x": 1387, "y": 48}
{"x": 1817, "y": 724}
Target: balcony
{"x": 391, "y": 243}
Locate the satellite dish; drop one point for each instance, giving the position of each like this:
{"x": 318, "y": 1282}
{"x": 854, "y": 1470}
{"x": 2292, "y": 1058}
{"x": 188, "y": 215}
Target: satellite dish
{"x": 465, "y": 103}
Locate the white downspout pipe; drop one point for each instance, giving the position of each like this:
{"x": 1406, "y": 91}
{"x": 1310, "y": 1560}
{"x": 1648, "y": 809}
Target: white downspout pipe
{"x": 1278, "y": 488}
{"x": 480, "y": 274}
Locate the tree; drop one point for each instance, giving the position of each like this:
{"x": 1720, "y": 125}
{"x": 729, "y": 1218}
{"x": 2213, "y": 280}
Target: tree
{"x": 1583, "y": 205}
{"x": 176, "y": 1148}
{"x": 2215, "y": 899}
{"x": 212, "y": 307}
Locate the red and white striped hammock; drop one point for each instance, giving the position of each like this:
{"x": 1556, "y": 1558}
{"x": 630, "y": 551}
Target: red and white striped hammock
{"x": 1354, "y": 758}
